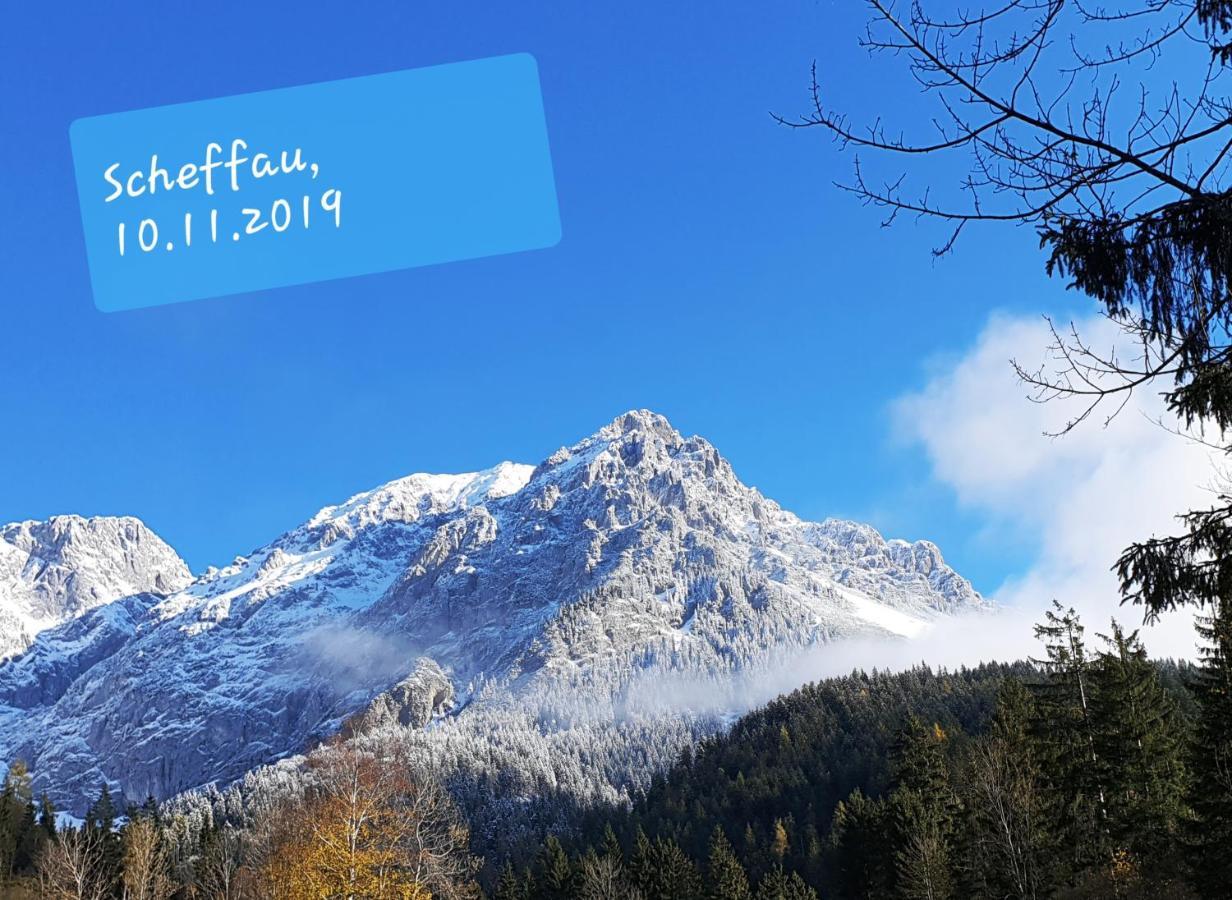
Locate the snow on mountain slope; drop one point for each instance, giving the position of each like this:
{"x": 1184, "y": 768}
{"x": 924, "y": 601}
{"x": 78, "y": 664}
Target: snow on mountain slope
{"x": 53, "y": 571}
{"x": 634, "y": 548}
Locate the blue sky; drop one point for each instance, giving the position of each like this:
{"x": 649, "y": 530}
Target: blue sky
{"x": 708, "y": 270}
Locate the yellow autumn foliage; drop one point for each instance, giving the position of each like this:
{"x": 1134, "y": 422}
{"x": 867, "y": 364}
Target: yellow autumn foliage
{"x": 322, "y": 867}
{"x": 361, "y": 836}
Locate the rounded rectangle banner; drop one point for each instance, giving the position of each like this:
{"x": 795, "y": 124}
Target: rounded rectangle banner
{"x": 316, "y": 182}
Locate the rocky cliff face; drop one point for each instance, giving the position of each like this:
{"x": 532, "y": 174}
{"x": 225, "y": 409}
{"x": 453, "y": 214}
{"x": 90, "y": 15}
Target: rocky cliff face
{"x": 53, "y": 571}
{"x": 633, "y": 549}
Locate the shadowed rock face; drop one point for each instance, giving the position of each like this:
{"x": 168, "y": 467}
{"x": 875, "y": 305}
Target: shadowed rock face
{"x": 633, "y": 547}
{"x": 53, "y": 571}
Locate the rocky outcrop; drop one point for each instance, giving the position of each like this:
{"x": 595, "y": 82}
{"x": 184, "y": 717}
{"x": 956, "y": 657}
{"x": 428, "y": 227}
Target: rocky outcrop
{"x": 411, "y": 703}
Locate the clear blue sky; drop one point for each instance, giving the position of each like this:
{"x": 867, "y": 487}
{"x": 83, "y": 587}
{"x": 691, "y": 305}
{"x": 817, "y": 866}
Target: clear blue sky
{"x": 708, "y": 270}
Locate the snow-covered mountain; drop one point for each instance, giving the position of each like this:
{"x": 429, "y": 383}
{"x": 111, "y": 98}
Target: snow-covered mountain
{"x": 437, "y": 597}
{"x": 53, "y": 571}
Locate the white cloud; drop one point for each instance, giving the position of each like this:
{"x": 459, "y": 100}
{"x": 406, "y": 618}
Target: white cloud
{"x": 1080, "y": 498}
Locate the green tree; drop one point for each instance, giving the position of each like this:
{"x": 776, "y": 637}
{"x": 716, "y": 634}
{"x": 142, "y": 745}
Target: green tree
{"x": 923, "y": 858}
{"x": 861, "y": 854}
{"x": 100, "y": 824}
{"x": 1065, "y": 734}
{"x": 673, "y": 875}
{"x": 102, "y": 813}
{"x": 508, "y": 885}
{"x": 555, "y": 879}
{"x": 1139, "y": 743}
{"x": 924, "y": 809}
{"x": 777, "y": 885}
{"x": 18, "y": 822}
{"x": 755, "y": 857}
{"x": 642, "y": 863}
{"x": 47, "y": 816}
{"x": 147, "y": 810}
{"x": 728, "y": 880}
{"x": 610, "y": 847}
{"x": 1211, "y": 758}
{"x": 920, "y": 765}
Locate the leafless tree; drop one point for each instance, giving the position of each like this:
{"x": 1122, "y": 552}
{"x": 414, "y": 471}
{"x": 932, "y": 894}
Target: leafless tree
{"x": 923, "y": 864}
{"x": 146, "y": 872}
{"x": 72, "y": 866}
{"x": 221, "y": 869}
{"x": 438, "y": 840}
{"x": 1046, "y": 140}
{"x": 1006, "y": 806}
{"x": 603, "y": 878}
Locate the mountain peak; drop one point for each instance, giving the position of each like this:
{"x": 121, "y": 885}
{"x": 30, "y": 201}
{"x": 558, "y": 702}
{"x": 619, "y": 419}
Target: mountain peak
{"x": 625, "y": 436}
{"x": 56, "y": 569}
{"x": 639, "y": 420}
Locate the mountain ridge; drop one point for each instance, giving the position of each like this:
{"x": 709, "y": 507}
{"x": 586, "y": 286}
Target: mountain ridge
{"x": 632, "y": 549}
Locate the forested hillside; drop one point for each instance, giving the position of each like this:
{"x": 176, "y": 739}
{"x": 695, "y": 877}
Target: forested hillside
{"x": 1093, "y": 772}
{"x": 773, "y": 781}
{"x": 1090, "y": 772}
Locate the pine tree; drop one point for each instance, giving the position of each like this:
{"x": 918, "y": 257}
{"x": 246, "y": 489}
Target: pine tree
{"x": 102, "y": 813}
{"x": 728, "y": 880}
{"x": 148, "y": 810}
{"x": 11, "y": 807}
{"x": 777, "y": 885}
{"x": 925, "y": 811}
{"x": 642, "y": 863}
{"x": 924, "y": 868}
{"x": 47, "y": 816}
{"x": 1065, "y": 735}
{"x": 862, "y": 863}
{"x": 920, "y": 766}
{"x": 611, "y": 845}
{"x": 673, "y": 877}
{"x": 509, "y": 886}
{"x": 1139, "y": 744}
{"x": 813, "y": 861}
{"x": 19, "y": 834}
{"x": 555, "y": 880}
{"x": 100, "y": 822}
{"x": 1211, "y": 758}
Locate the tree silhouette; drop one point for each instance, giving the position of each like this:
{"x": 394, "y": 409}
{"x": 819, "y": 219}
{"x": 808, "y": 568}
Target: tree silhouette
{"x": 1107, "y": 131}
